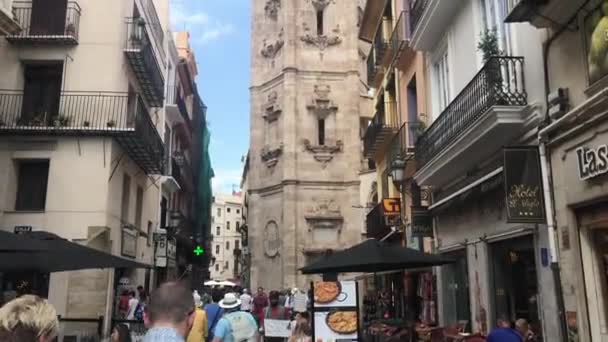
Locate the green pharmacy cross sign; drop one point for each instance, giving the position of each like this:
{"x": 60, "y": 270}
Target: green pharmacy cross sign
{"x": 198, "y": 251}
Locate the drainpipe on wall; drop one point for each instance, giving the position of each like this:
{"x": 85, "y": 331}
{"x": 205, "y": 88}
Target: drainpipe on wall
{"x": 552, "y": 236}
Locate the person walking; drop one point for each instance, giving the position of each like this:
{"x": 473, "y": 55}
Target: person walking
{"x": 277, "y": 311}
{"x": 199, "y": 330}
{"x": 28, "y": 318}
{"x": 120, "y": 333}
{"x": 214, "y": 313}
{"x": 302, "y": 331}
{"x": 170, "y": 314}
{"x": 246, "y": 301}
{"x": 235, "y": 325}
{"x": 504, "y": 333}
{"x": 260, "y": 302}
{"x": 133, "y": 303}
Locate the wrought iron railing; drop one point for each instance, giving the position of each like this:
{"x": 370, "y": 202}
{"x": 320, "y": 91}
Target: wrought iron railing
{"x": 500, "y": 82}
{"x": 382, "y": 121}
{"x": 155, "y": 27}
{"x": 376, "y": 55}
{"x": 70, "y": 27}
{"x": 401, "y": 34}
{"x": 375, "y": 223}
{"x": 138, "y": 39}
{"x": 417, "y": 8}
{"x": 401, "y": 149}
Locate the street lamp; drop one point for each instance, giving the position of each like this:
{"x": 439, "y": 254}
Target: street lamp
{"x": 397, "y": 172}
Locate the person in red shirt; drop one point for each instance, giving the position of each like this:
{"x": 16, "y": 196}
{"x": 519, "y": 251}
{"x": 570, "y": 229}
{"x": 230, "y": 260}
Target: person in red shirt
{"x": 260, "y": 302}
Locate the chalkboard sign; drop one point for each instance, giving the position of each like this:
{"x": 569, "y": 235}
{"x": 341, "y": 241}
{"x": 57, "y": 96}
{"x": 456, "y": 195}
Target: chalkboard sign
{"x": 523, "y": 185}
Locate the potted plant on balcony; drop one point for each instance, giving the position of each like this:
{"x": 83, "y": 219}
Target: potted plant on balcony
{"x": 111, "y": 123}
{"x": 86, "y": 123}
{"x": 488, "y": 45}
{"x": 61, "y": 121}
{"x": 70, "y": 30}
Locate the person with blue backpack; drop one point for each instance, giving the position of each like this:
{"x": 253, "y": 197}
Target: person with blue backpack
{"x": 235, "y": 325}
{"x": 214, "y": 313}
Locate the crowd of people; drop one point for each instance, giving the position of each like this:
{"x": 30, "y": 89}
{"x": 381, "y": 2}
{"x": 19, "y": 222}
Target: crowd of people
{"x": 172, "y": 313}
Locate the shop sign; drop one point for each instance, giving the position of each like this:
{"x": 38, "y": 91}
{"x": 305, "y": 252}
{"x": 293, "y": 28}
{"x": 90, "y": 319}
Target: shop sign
{"x": 592, "y": 162}
{"x": 523, "y": 186}
{"x": 22, "y": 229}
{"x": 422, "y": 222}
{"x": 160, "y": 254}
{"x": 391, "y": 207}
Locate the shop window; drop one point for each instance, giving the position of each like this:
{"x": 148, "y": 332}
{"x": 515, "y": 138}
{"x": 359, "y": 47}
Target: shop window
{"x": 455, "y": 285}
{"x": 32, "y": 184}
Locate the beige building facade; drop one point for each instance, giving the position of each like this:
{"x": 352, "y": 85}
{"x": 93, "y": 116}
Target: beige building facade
{"x": 227, "y": 220}
{"x": 82, "y": 151}
{"x": 305, "y": 148}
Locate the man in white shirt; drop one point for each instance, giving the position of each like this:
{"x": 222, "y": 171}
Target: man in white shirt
{"x": 133, "y": 302}
{"x": 246, "y": 301}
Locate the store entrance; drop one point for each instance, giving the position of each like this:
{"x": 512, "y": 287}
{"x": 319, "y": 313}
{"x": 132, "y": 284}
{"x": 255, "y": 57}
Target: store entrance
{"x": 515, "y": 283}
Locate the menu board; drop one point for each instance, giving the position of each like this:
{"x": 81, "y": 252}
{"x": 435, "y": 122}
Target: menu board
{"x": 335, "y": 311}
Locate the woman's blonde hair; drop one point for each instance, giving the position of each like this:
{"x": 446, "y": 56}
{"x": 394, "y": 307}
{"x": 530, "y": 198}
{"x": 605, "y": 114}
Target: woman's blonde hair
{"x": 29, "y": 315}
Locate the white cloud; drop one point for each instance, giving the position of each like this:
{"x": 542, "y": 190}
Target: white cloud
{"x": 202, "y": 27}
{"x": 225, "y": 179}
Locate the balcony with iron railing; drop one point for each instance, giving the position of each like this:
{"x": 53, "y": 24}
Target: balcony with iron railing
{"x": 182, "y": 171}
{"x": 378, "y": 225}
{"x": 401, "y": 52}
{"x": 111, "y": 114}
{"x": 176, "y": 106}
{"x": 428, "y": 21}
{"x": 487, "y": 114}
{"x": 402, "y": 147}
{"x": 143, "y": 61}
{"x": 376, "y": 59}
{"x": 40, "y": 27}
{"x": 381, "y": 129}
{"x": 8, "y": 21}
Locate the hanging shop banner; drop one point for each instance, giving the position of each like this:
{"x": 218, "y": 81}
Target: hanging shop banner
{"x": 335, "y": 309}
{"x": 422, "y": 222}
{"x": 391, "y": 207}
{"x": 161, "y": 250}
{"x": 523, "y": 185}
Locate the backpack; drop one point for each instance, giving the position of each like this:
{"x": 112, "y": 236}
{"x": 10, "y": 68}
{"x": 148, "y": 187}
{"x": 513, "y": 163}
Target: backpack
{"x": 242, "y": 329}
{"x": 139, "y": 312}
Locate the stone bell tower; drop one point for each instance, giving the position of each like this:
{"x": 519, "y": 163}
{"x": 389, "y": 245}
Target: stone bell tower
{"x": 305, "y": 148}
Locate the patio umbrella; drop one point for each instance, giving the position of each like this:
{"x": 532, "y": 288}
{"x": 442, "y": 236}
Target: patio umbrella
{"x": 18, "y": 242}
{"x": 226, "y": 283}
{"x": 60, "y": 255}
{"x": 212, "y": 283}
{"x": 374, "y": 256}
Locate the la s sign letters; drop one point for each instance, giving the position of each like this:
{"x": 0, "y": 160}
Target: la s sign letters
{"x": 592, "y": 162}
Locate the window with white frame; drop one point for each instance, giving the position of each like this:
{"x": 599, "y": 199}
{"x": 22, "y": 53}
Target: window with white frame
{"x": 494, "y": 13}
{"x": 441, "y": 79}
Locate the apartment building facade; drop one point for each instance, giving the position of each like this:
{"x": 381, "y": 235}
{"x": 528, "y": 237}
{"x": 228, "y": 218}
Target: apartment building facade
{"x": 227, "y": 223}
{"x": 96, "y": 136}
{"x": 478, "y": 100}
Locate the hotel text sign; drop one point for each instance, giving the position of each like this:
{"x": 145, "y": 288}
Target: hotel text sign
{"x": 592, "y": 162}
{"x": 523, "y": 185}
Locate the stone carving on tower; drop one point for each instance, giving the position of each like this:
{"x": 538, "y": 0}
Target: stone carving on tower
{"x": 272, "y": 9}
{"x": 270, "y": 155}
{"x": 324, "y": 213}
{"x": 271, "y": 50}
{"x": 322, "y": 107}
{"x": 272, "y": 109}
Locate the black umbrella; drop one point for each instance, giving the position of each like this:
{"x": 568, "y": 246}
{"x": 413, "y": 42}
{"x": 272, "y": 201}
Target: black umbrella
{"x": 374, "y": 256}
{"x": 60, "y": 255}
{"x": 18, "y": 243}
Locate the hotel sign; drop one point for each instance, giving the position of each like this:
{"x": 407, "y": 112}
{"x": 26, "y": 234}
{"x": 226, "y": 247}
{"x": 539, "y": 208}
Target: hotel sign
{"x": 422, "y": 222}
{"x": 523, "y": 185}
{"x": 592, "y": 162}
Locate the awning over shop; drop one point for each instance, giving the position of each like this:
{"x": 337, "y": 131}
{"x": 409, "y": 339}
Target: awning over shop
{"x": 58, "y": 255}
{"x": 374, "y": 256}
{"x": 10, "y": 242}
